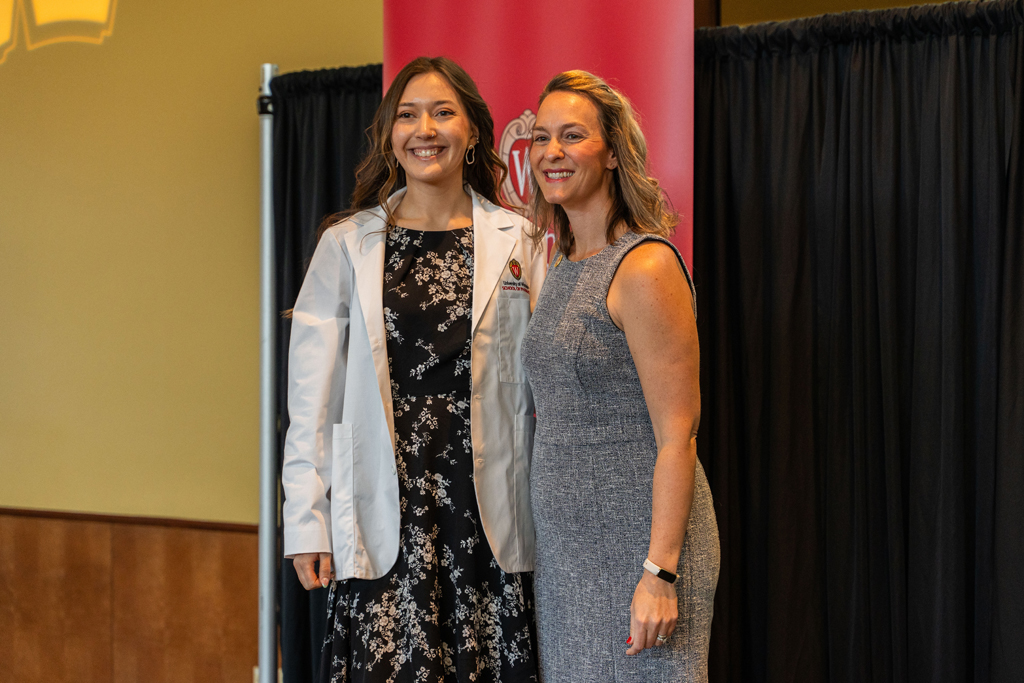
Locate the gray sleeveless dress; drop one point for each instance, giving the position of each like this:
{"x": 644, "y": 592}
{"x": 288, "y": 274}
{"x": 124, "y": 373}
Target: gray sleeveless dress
{"x": 591, "y": 486}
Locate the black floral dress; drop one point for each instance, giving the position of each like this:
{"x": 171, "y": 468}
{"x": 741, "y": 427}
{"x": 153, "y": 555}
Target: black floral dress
{"x": 445, "y": 613}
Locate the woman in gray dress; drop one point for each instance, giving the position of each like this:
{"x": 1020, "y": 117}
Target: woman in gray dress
{"x": 627, "y": 542}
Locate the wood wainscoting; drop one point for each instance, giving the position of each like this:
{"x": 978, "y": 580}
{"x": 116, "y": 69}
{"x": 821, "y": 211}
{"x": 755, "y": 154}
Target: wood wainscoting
{"x": 104, "y": 599}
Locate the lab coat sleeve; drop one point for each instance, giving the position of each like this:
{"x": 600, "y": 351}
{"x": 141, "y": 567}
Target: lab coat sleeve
{"x": 316, "y": 380}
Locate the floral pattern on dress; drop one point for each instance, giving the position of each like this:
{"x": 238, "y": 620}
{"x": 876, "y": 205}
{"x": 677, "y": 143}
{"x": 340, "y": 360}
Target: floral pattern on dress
{"x": 446, "y": 612}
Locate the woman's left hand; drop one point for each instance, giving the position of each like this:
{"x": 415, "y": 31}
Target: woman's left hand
{"x": 654, "y": 612}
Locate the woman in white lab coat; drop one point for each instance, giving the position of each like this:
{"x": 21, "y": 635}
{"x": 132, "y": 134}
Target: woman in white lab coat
{"x": 406, "y": 468}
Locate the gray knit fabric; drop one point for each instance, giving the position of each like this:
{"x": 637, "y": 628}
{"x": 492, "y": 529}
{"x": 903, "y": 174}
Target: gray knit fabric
{"x": 590, "y": 485}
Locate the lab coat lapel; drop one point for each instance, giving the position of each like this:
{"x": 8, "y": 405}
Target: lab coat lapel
{"x": 492, "y": 247}
{"x": 366, "y": 249}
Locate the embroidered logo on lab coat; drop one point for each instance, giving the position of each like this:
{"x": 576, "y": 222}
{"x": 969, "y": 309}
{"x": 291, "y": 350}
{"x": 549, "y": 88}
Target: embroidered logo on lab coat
{"x": 516, "y": 285}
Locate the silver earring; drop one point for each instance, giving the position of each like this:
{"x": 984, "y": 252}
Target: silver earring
{"x": 470, "y": 155}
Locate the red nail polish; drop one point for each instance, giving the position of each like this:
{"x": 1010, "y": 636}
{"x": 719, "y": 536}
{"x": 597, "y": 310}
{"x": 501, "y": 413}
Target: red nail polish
{"x": 629, "y": 641}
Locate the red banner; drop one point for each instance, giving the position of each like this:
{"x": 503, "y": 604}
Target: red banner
{"x": 512, "y": 49}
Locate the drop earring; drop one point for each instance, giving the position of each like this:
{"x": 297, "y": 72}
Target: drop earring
{"x": 470, "y": 155}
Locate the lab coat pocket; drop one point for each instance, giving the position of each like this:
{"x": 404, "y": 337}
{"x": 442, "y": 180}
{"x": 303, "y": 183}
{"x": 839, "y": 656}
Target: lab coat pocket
{"x": 513, "y": 317}
{"x": 341, "y": 439}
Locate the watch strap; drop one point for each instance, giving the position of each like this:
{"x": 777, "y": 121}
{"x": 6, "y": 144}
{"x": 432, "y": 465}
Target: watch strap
{"x": 663, "y": 574}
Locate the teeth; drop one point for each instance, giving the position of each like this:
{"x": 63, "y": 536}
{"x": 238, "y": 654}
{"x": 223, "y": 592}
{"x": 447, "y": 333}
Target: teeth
{"x": 426, "y": 153}
{"x": 560, "y": 174}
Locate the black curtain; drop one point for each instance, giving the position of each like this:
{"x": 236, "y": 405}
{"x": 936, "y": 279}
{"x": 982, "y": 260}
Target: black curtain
{"x": 320, "y": 119}
{"x": 859, "y": 262}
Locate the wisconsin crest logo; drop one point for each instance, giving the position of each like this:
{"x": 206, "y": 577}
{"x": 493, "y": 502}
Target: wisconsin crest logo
{"x": 514, "y": 149}
{"x": 515, "y": 269}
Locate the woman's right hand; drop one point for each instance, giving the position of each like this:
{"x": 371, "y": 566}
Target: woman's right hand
{"x": 304, "y": 563}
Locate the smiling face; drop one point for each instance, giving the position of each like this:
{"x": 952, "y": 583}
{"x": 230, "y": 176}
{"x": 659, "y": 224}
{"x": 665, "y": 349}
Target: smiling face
{"x": 569, "y": 157}
{"x": 431, "y": 131}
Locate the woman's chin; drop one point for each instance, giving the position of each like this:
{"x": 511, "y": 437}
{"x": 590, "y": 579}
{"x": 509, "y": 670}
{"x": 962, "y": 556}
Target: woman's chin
{"x": 555, "y": 198}
{"x": 432, "y": 176}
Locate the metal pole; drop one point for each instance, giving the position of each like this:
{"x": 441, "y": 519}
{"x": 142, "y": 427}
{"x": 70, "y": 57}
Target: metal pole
{"x": 268, "y": 404}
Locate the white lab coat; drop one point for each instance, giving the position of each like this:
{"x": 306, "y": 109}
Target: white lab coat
{"x": 339, "y": 476}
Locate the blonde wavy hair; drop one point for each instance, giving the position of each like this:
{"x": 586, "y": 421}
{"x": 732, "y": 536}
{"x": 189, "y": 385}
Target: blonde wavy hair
{"x": 637, "y": 198}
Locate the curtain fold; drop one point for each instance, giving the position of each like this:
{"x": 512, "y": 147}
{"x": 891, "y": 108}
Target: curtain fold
{"x": 859, "y": 261}
{"x": 320, "y": 119}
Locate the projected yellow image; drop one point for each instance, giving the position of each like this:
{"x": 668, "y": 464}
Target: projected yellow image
{"x": 44, "y": 22}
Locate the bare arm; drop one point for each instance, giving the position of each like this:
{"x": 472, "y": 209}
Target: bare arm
{"x": 650, "y": 300}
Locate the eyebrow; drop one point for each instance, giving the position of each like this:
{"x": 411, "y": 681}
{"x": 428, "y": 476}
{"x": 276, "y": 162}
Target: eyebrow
{"x": 563, "y": 127}
{"x": 432, "y": 104}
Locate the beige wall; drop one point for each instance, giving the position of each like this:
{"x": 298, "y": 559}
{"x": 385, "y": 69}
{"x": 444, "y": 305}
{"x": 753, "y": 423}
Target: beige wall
{"x": 129, "y": 253}
{"x": 129, "y": 246}
{"x": 756, "y": 11}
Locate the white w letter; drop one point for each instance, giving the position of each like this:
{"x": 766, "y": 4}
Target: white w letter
{"x": 521, "y": 171}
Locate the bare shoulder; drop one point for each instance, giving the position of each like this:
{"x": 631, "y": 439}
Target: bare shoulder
{"x": 649, "y": 264}
{"x": 649, "y": 282}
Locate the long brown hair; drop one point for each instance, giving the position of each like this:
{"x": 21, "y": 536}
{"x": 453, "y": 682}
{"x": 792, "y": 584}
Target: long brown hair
{"x": 379, "y": 173}
{"x": 637, "y": 199}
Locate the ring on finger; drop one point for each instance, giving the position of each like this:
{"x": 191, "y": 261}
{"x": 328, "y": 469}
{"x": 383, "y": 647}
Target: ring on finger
{"x": 661, "y": 638}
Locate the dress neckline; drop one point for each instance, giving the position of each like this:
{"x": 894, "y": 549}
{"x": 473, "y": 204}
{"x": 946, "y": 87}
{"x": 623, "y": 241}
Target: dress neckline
{"x": 564, "y": 258}
{"x": 402, "y": 227}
